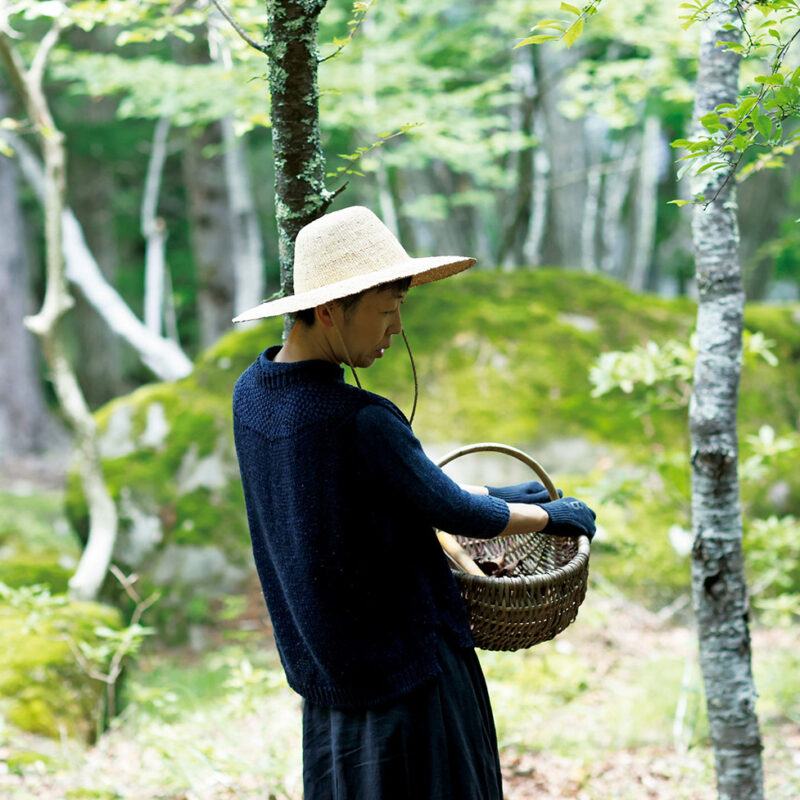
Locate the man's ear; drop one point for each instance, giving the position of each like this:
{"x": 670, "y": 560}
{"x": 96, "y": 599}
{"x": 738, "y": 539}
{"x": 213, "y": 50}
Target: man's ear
{"x": 325, "y": 315}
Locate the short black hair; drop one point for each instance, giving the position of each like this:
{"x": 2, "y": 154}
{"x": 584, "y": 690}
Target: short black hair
{"x": 348, "y": 304}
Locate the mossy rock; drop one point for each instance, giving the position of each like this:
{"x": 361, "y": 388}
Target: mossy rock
{"x": 500, "y": 357}
{"x": 43, "y": 687}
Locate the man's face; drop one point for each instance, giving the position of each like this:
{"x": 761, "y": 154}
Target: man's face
{"x": 368, "y": 327}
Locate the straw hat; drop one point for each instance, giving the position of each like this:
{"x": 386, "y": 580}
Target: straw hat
{"x": 346, "y": 252}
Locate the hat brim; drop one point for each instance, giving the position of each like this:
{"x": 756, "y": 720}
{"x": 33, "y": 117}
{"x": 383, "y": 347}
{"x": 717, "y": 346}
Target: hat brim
{"x": 420, "y": 270}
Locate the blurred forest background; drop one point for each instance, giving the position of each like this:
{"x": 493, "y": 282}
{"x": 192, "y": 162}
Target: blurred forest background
{"x": 572, "y": 338}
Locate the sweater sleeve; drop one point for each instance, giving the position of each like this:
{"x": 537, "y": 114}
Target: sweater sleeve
{"x": 395, "y": 461}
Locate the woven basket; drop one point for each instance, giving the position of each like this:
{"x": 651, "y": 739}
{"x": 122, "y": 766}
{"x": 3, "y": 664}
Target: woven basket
{"x": 543, "y": 597}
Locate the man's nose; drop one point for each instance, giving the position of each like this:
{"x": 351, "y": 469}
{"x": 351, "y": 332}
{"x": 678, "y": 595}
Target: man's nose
{"x": 396, "y": 326}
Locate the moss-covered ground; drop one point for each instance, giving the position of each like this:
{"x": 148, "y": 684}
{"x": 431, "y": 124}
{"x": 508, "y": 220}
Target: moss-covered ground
{"x": 611, "y": 710}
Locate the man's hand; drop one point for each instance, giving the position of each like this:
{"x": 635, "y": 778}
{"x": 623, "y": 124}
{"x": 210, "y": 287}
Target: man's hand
{"x": 530, "y": 492}
{"x": 569, "y": 517}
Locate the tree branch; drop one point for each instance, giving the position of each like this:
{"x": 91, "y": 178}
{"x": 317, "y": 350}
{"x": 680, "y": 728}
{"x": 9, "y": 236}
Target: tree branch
{"x": 260, "y": 46}
{"x": 15, "y": 65}
{"x": 36, "y": 71}
{"x": 355, "y": 25}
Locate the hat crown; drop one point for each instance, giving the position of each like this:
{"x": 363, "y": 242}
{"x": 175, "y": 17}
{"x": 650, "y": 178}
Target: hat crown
{"x": 343, "y": 244}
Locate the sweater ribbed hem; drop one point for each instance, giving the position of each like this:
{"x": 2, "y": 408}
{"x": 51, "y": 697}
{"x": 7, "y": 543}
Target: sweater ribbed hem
{"x": 426, "y": 668}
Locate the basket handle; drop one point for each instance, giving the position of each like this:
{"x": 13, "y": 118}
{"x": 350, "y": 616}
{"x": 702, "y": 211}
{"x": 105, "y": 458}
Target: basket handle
{"x": 453, "y": 550}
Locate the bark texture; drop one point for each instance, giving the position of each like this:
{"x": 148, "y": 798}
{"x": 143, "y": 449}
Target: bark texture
{"x": 718, "y": 580}
{"x": 300, "y": 192}
{"x": 24, "y": 420}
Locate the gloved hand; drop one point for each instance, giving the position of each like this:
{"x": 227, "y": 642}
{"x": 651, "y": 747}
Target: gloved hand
{"x": 569, "y": 517}
{"x": 530, "y": 492}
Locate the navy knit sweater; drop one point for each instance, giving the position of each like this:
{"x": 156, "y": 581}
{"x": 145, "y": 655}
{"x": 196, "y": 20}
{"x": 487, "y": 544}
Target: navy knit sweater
{"x": 342, "y": 502}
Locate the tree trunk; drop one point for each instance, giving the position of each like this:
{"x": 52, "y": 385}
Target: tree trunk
{"x": 247, "y": 252}
{"x": 209, "y": 221}
{"x": 616, "y": 188}
{"x": 154, "y": 232}
{"x": 96, "y": 557}
{"x": 300, "y": 192}
{"x": 532, "y": 248}
{"x": 24, "y": 419}
{"x": 646, "y": 206}
{"x": 515, "y": 232}
{"x": 208, "y": 211}
{"x": 91, "y": 188}
{"x": 568, "y": 161}
{"x": 718, "y": 581}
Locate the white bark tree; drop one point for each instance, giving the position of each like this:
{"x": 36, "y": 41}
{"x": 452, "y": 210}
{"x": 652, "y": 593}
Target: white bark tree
{"x": 154, "y": 231}
{"x": 718, "y": 581}
{"x": 163, "y": 356}
{"x": 92, "y": 568}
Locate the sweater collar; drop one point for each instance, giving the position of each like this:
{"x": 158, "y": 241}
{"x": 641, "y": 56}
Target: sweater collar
{"x": 279, "y": 373}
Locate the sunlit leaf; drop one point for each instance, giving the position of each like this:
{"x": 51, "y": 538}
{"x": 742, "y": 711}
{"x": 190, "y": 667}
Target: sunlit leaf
{"x": 575, "y": 30}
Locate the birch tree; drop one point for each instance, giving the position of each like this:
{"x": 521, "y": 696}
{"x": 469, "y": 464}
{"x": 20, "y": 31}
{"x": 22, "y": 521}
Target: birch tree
{"x": 718, "y": 581}
{"x": 91, "y": 571}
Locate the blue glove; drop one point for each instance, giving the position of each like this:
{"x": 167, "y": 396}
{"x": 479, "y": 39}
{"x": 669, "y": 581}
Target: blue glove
{"x": 530, "y": 492}
{"x": 569, "y": 517}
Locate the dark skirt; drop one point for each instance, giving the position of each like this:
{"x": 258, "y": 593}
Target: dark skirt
{"x": 436, "y": 743}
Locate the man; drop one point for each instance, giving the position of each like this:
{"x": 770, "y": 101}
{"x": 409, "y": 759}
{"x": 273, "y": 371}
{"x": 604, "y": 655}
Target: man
{"x": 342, "y": 504}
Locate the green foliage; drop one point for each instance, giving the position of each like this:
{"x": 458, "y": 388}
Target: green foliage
{"x": 663, "y": 376}
{"x": 150, "y": 87}
{"x": 760, "y": 129}
{"x": 364, "y": 150}
{"x": 663, "y": 373}
{"x": 568, "y": 30}
{"x": 360, "y": 11}
{"x": 144, "y": 20}
{"x": 43, "y": 686}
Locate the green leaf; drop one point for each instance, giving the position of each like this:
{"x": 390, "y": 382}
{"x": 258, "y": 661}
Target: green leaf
{"x": 763, "y": 124}
{"x": 575, "y": 30}
{"x": 571, "y": 9}
{"x": 770, "y": 80}
{"x": 715, "y": 165}
{"x": 746, "y": 106}
{"x": 534, "y": 40}
{"x": 549, "y": 23}
{"x": 679, "y": 203}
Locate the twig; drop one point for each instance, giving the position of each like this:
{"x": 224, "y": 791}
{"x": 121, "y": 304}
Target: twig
{"x": 36, "y": 71}
{"x": 260, "y": 46}
{"x": 350, "y": 35}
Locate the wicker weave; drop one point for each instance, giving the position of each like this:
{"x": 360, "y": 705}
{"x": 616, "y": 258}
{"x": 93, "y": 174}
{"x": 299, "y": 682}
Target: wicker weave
{"x": 543, "y": 597}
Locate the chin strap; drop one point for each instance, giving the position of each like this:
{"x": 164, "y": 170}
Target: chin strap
{"x": 410, "y": 356}
{"x": 414, "y": 370}
{"x": 344, "y": 347}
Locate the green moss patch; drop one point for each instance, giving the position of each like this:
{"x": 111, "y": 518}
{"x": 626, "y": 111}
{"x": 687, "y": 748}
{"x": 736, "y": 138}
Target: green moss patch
{"x": 500, "y": 357}
{"x": 43, "y": 687}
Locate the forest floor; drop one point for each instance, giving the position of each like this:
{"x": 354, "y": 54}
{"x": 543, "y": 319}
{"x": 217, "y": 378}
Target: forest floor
{"x": 612, "y": 709}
